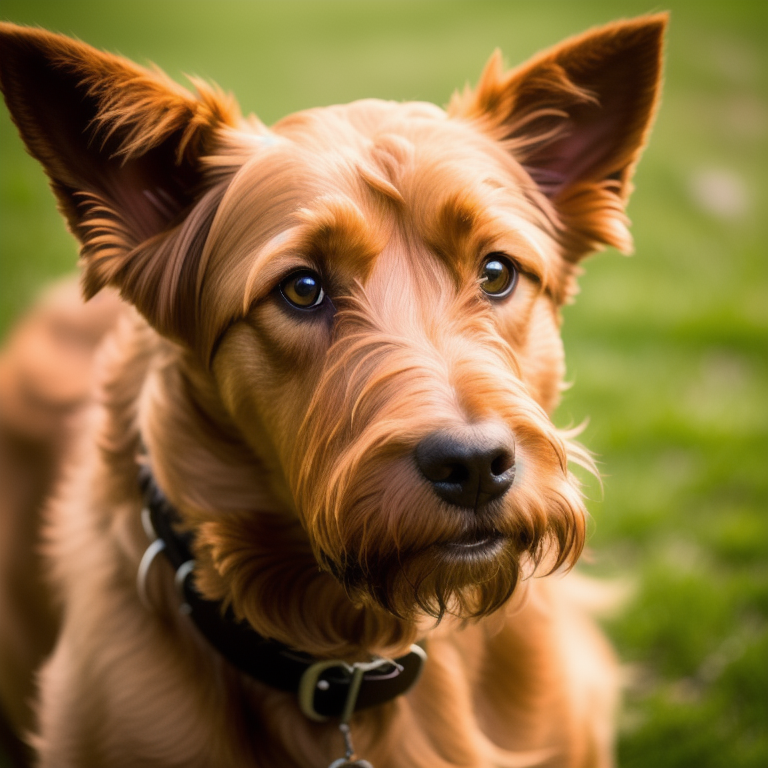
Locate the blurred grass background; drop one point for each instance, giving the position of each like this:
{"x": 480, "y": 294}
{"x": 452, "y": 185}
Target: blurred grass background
{"x": 668, "y": 351}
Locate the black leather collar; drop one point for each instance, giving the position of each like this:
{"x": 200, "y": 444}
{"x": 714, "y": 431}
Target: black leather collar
{"x": 326, "y": 688}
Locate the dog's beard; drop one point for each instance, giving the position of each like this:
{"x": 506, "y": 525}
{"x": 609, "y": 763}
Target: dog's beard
{"x": 380, "y": 529}
{"x": 438, "y": 580}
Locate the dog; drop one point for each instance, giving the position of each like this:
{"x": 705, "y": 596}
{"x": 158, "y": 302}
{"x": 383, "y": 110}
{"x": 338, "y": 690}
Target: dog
{"x": 308, "y": 506}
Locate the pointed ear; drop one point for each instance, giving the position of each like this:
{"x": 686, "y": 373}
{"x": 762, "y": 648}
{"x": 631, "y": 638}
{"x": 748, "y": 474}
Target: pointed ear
{"x": 577, "y": 117}
{"x": 121, "y": 145}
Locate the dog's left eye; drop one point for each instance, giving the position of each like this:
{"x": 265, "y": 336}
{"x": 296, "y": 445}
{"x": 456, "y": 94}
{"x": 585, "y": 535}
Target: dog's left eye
{"x": 498, "y": 276}
{"x": 303, "y": 289}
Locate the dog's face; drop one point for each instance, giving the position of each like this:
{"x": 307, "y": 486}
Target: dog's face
{"x": 374, "y": 289}
{"x": 400, "y": 350}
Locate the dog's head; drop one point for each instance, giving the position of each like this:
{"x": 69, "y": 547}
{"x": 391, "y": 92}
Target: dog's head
{"x": 373, "y": 289}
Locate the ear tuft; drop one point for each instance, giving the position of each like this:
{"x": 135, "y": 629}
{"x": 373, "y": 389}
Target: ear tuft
{"x": 136, "y": 114}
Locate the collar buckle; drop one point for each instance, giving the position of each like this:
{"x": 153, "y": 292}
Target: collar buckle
{"x": 319, "y": 678}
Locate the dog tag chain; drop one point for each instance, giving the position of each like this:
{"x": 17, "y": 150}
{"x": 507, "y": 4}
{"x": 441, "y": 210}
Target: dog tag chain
{"x": 348, "y": 762}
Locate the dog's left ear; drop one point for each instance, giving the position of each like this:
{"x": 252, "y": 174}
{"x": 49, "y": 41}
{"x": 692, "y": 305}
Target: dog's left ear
{"x": 122, "y": 147}
{"x": 577, "y": 117}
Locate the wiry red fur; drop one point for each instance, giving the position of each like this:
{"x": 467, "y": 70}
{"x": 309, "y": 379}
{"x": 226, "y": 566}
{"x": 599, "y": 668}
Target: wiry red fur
{"x": 286, "y": 440}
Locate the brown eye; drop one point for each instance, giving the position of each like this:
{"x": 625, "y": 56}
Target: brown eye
{"x": 498, "y": 276}
{"x": 303, "y": 289}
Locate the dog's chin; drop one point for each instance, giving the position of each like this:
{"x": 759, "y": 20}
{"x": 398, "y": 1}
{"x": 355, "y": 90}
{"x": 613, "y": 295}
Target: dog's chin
{"x": 468, "y": 577}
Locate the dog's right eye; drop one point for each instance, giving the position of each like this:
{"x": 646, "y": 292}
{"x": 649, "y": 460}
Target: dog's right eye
{"x": 498, "y": 277}
{"x": 303, "y": 289}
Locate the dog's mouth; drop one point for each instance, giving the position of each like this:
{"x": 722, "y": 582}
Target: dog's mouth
{"x": 477, "y": 543}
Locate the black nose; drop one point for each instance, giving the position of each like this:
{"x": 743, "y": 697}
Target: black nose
{"x": 469, "y": 466}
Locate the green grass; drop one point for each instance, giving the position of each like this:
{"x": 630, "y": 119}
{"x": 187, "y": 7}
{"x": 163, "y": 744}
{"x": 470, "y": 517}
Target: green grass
{"x": 668, "y": 351}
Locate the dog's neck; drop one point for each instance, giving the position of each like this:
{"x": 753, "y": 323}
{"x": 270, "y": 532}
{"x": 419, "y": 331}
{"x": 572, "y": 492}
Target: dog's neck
{"x": 214, "y": 479}
{"x": 325, "y": 688}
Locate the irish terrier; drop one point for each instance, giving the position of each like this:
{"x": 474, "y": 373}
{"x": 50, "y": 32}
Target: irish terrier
{"x": 308, "y": 506}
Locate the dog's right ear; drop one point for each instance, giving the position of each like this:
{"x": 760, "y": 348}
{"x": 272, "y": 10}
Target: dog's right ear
{"x": 121, "y": 145}
{"x": 577, "y": 117}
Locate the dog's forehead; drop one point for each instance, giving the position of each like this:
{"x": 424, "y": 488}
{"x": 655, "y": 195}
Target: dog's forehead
{"x": 411, "y": 153}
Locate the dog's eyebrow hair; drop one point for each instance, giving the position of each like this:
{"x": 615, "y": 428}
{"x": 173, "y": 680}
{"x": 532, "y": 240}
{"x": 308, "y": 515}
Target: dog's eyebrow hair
{"x": 466, "y": 220}
{"x": 336, "y": 226}
{"x": 525, "y": 248}
{"x": 332, "y": 226}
